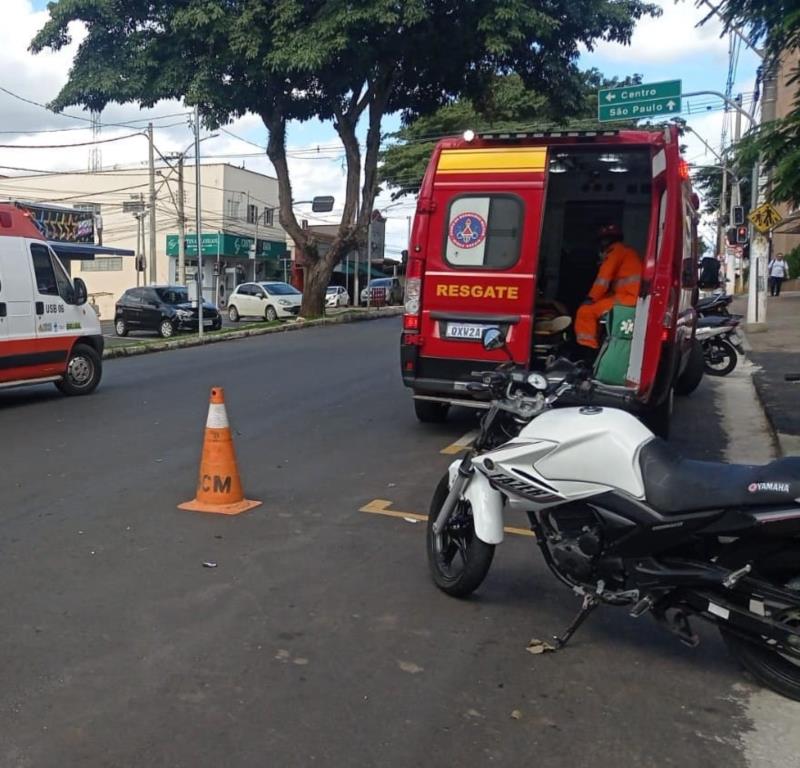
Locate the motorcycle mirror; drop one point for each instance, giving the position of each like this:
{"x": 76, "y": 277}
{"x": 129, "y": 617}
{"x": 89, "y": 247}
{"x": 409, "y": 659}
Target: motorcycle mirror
{"x": 493, "y": 338}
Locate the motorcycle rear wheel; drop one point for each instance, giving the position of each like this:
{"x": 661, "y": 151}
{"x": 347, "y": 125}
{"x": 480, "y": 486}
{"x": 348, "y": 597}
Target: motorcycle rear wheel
{"x": 724, "y": 358}
{"x": 458, "y": 560}
{"x": 778, "y": 671}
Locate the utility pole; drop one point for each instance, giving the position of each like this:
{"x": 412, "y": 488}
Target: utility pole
{"x": 255, "y": 243}
{"x": 736, "y": 201}
{"x": 369, "y": 259}
{"x": 198, "y": 220}
{"x": 138, "y": 246}
{"x": 181, "y": 226}
{"x": 152, "y": 207}
{"x": 759, "y": 243}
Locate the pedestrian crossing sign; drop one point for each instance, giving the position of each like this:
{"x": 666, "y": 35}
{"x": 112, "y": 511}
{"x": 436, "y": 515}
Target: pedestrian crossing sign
{"x": 765, "y": 217}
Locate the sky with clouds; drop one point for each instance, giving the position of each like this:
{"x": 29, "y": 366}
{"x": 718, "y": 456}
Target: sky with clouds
{"x": 665, "y": 48}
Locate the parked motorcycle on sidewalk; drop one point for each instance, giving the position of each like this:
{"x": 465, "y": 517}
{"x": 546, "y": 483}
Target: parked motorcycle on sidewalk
{"x": 622, "y": 519}
{"x": 715, "y": 304}
{"x": 720, "y": 338}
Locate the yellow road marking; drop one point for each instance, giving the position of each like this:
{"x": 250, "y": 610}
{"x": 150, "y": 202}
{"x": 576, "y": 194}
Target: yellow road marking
{"x": 461, "y": 444}
{"x": 381, "y": 507}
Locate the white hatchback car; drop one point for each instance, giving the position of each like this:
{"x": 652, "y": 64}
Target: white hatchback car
{"x": 336, "y": 296}
{"x": 270, "y": 300}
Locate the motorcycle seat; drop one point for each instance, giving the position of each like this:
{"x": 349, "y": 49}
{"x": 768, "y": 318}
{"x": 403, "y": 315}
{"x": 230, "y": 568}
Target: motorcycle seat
{"x": 717, "y": 298}
{"x": 677, "y": 486}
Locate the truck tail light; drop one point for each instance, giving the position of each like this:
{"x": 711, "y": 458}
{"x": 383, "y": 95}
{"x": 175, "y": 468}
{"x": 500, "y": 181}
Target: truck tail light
{"x": 413, "y": 290}
{"x": 411, "y": 322}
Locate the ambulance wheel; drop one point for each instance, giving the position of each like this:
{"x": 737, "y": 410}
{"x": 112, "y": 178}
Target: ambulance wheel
{"x": 658, "y": 419}
{"x": 431, "y": 412}
{"x": 121, "y": 327}
{"x": 83, "y": 371}
{"x": 692, "y": 374}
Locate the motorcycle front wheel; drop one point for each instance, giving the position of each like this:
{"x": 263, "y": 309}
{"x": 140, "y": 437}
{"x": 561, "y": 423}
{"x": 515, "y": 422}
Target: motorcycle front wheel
{"x": 457, "y": 558}
{"x": 720, "y": 357}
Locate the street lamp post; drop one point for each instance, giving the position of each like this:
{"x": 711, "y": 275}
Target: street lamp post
{"x": 198, "y": 220}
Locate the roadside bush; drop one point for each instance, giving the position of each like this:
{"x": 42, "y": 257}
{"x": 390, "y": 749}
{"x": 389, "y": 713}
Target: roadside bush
{"x": 793, "y": 260}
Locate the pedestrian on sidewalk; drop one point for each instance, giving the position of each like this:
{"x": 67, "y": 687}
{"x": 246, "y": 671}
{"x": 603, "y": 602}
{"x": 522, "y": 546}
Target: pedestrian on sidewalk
{"x": 778, "y": 271}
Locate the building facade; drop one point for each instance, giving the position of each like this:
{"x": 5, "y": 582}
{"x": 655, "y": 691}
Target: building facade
{"x": 241, "y": 237}
{"x": 787, "y": 234}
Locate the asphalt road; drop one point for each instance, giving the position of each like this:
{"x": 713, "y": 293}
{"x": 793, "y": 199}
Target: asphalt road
{"x": 319, "y": 638}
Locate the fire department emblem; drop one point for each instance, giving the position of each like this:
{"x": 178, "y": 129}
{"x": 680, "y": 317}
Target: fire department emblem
{"x": 467, "y": 230}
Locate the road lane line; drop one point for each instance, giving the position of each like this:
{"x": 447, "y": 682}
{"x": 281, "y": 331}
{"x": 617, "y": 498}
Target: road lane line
{"x": 461, "y": 444}
{"x": 382, "y": 507}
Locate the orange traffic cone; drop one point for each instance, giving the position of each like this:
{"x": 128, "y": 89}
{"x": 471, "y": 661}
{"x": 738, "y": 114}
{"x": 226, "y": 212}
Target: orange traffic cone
{"x": 219, "y": 488}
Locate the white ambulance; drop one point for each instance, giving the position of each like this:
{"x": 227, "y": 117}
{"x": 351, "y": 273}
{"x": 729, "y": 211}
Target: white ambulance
{"x": 48, "y": 333}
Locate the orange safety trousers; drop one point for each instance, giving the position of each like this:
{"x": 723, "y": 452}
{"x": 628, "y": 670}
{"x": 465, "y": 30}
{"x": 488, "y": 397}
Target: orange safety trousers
{"x": 617, "y": 282}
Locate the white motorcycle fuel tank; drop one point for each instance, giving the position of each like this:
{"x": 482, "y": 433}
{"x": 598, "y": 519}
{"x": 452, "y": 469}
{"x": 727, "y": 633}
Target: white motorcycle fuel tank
{"x": 563, "y": 455}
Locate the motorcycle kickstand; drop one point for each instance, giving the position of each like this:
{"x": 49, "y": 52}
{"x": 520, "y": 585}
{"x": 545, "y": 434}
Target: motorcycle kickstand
{"x": 590, "y": 602}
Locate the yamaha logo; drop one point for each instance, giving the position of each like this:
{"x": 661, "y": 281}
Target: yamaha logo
{"x": 768, "y": 487}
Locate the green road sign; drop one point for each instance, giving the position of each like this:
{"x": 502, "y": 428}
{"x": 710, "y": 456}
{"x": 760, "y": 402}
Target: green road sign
{"x": 633, "y": 102}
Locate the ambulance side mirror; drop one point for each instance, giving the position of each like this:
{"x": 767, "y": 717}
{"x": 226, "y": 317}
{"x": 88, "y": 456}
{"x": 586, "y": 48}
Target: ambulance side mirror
{"x": 81, "y": 294}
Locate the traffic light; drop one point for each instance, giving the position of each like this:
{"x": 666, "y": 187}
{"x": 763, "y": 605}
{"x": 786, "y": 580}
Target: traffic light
{"x": 738, "y": 215}
{"x": 741, "y": 234}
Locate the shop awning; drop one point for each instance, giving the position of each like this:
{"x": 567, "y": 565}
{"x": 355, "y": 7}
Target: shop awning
{"x": 85, "y": 251}
{"x": 347, "y": 268}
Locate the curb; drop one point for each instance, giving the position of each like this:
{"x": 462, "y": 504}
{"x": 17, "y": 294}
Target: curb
{"x": 111, "y": 353}
{"x": 787, "y": 444}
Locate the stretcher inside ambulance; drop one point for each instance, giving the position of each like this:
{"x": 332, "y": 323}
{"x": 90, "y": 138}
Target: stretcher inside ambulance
{"x": 48, "y": 333}
{"x": 509, "y": 233}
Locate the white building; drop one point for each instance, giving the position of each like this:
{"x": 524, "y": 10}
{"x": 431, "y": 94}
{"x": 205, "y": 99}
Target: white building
{"x": 237, "y": 206}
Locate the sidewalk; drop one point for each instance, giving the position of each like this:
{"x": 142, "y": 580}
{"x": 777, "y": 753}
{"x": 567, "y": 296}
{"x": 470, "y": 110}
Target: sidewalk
{"x": 776, "y": 352}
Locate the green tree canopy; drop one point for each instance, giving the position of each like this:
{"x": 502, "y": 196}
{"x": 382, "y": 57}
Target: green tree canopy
{"x": 509, "y": 105}
{"x": 297, "y": 59}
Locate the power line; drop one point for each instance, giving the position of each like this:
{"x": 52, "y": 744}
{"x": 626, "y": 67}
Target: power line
{"x": 85, "y": 119}
{"x": 68, "y": 146}
{"x": 241, "y": 138}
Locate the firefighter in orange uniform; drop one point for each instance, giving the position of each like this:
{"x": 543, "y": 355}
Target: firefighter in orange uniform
{"x": 617, "y": 282}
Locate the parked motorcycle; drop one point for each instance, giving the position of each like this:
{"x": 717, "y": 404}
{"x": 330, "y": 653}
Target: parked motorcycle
{"x": 622, "y": 519}
{"x": 720, "y": 338}
{"x": 715, "y": 304}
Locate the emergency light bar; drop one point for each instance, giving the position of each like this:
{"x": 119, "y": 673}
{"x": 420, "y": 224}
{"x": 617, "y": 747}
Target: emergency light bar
{"x": 547, "y": 134}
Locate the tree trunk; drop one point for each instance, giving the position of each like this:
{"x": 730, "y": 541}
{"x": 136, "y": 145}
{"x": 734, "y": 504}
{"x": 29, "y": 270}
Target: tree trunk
{"x": 317, "y": 278}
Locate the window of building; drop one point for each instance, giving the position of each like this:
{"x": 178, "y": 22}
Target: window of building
{"x": 252, "y": 213}
{"x": 233, "y": 207}
{"x": 103, "y": 264}
{"x": 269, "y": 217}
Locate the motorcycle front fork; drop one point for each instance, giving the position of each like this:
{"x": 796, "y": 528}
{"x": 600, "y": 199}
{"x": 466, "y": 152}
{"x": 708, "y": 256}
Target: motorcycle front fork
{"x": 465, "y": 472}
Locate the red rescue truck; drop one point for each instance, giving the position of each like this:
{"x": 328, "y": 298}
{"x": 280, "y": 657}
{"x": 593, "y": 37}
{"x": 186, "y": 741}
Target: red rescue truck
{"x": 506, "y": 229}
{"x": 48, "y": 333}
